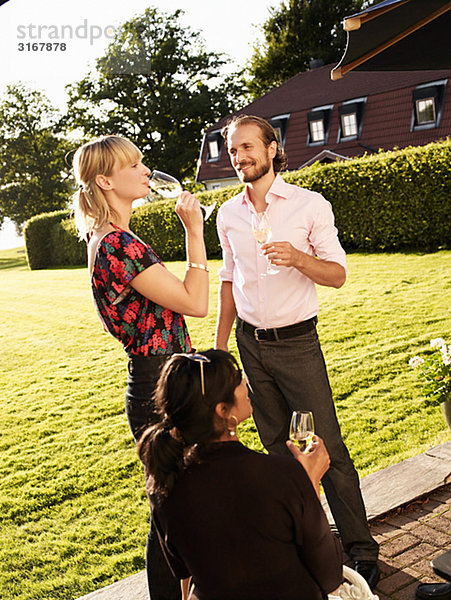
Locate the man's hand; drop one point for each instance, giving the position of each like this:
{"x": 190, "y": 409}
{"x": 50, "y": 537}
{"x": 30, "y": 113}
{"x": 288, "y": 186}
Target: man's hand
{"x": 282, "y": 254}
{"x": 323, "y": 272}
{"x": 316, "y": 462}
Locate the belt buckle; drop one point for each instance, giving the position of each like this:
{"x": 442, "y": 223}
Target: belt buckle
{"x": 257, "y": 332}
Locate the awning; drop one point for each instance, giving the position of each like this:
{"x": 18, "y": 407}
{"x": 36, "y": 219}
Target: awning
{"x": 398, "y": 35}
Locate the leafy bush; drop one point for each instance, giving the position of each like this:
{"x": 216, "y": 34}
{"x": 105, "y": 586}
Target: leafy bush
{"x": 38, "y": 238}
{"x": 394, "y": 200}
{"x": 435, "y": 370}
{"x": 388, "y": 201}
{"x": 67, "y": 248}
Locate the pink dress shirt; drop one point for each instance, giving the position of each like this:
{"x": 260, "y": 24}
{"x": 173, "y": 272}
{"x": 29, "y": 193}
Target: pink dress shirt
{"x": 299, "y": 216}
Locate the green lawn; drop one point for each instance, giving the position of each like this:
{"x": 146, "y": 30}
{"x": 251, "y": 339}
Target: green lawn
{"x": 72, "y": 508}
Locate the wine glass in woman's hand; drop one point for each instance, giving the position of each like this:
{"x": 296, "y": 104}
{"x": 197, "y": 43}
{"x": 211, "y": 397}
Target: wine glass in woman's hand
{"x": 169, "y": 187}
{"x": 302, "y": 430}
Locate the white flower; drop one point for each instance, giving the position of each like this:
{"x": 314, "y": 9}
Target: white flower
{"x": 416, "y": 361}
{"x": 438, "y": 343}
{"x": 446, "y": 354}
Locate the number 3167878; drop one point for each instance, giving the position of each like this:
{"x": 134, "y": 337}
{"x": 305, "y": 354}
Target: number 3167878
{"x": 41, "y": 46}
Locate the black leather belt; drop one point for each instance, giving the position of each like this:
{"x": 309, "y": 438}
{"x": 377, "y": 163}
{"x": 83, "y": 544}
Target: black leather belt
{"x": 277, "y": 333}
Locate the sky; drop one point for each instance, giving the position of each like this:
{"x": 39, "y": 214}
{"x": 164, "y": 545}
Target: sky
{"x": 86, "y": 27}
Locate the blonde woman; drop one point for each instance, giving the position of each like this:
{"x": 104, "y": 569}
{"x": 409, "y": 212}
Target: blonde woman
{"x": 138, "y": 300}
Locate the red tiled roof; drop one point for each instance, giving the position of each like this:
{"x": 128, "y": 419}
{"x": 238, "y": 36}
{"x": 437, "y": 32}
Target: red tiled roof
{"x": 315, "y": 88}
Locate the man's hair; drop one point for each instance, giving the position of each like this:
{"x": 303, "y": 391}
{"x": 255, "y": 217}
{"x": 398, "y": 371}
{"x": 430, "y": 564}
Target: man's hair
{"x": 268, "y": 135}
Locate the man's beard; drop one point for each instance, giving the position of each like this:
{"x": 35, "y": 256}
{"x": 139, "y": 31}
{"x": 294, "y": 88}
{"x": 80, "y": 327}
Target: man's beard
{"x": 256, "y": 173}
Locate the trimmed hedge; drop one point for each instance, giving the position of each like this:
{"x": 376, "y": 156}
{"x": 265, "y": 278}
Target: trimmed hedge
{"x": 388, "y": 201}
{"x": 51, "y": 240}
{"x": 396, "y": 200}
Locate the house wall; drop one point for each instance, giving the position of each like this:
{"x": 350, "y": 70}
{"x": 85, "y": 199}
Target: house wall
{"x": 386, "y": 124}
{"x": 387, "y": 120}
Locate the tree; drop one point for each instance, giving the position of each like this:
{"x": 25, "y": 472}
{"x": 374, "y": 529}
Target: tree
{"x": 156, "y": 85}
{"x": 34, "y": 177}
{"x": 295, "y": 34}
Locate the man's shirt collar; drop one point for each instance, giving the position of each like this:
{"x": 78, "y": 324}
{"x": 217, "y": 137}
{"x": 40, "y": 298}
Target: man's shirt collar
{"x": 278, "y": 189}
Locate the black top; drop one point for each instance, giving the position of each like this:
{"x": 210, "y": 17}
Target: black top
{"x": 249, "y": 526}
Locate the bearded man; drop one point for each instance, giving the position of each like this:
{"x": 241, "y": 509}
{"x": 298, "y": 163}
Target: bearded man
{"x": 276, "y": 314}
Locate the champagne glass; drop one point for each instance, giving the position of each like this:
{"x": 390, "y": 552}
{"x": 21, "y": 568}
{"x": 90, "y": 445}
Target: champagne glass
{"x": 169, "y": 187}
{"x": 301, "y": 429}
{"x": 261, "y": 229}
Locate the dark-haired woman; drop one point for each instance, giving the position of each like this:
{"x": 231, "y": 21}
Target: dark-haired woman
{"x": 242, "y": 525}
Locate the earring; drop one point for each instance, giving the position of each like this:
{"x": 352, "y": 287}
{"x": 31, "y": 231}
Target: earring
{"x": 232, "y": 430}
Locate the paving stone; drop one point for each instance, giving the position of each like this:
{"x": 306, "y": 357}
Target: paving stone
{"x": 444, "y": 495}
{"x": 431, "y": 506}
{"x": 131, "y": 588}
{"x": 407, "y": 593}
{"x": 385, "y": 529}
{"x": 395, "y": 582}
{"x": 394, "y": 562}
{"x": 423, "y": 568}
{"x": 444, "y": 512}
{"x": 381, "y": 595}
{"x": 433, "y": 536}
{"x": 414, "y": 571}
{"x": 386, "y": 569}
{"x": 441, "y": 522}
{"x": 442, "y": 509}
{"x": 379, "y": 538}
{"x": 396, "y": 546}
{"x": 419, "y": 475}
{"x": 416, "y": 553}
{"x": 401, "y": 521}
{"x": 442, "y": 452}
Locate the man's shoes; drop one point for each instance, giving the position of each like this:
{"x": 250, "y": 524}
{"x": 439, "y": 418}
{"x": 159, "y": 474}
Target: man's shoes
{"x": 369, "y": 570}
{"x": 433, "y": 591}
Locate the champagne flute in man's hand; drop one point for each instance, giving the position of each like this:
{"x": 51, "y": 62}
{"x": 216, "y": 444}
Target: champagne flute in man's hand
{"x": 302, "y": 430}
{"x": 261, "y": 229}
{"x": 169, "y": 187}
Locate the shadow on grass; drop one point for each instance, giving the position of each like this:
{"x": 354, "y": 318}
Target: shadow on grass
{"x": 13, "y": 259}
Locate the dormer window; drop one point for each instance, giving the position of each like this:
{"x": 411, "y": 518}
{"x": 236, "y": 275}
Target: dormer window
{"x": 425, "y": 111}
{"x": 428, "y": 105}
{"x": 318, "y": 125}
{"x": 351, "y": 119}
{"x": 213, "y": 150}
{"x": 317, "y": 130}
{"x": 280, "y": 124}
{"x": 349, "y": 124}
{"x": 214, "y": 143}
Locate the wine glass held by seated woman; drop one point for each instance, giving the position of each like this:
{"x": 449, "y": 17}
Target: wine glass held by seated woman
{"x": 138, "y": 300}
{"x": 242, "y": 525}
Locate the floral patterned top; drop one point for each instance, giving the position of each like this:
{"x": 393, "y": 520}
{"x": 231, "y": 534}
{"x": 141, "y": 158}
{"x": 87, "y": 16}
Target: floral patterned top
{"x": 142, "y": 326}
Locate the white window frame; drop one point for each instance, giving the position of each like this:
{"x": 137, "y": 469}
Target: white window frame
{"x": 437, "y": 90}
{"x": 358, "y": 114}
{"x": 318, "y": 114}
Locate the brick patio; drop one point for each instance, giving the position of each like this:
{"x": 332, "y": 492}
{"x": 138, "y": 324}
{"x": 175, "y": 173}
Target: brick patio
{"x": 409, "y": 538}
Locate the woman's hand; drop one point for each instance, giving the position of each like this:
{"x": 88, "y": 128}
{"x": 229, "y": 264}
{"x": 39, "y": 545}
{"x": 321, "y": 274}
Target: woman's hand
{"x": 316, "y": 462}
{"x": 189, "y": 212}
{"x": 190, "y": 296}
